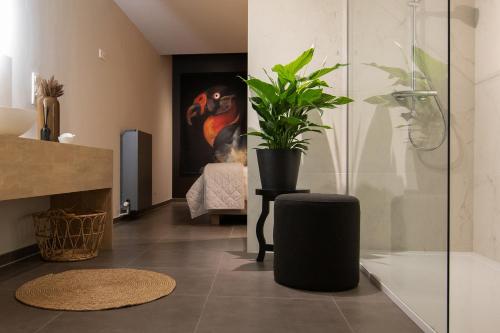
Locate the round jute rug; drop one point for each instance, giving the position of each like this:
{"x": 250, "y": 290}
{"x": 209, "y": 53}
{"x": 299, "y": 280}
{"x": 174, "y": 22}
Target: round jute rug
{"x": 95, "y": 289}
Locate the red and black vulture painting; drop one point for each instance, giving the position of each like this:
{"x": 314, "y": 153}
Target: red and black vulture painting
{"x": 213, "y": 119}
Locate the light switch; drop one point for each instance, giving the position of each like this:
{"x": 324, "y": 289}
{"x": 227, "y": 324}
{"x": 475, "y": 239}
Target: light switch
{"x": 102, "y": 54}
{"x": 34, "y": 78}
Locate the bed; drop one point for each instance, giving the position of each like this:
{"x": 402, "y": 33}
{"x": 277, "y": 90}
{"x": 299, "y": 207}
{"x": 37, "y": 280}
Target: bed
{"x": 220, "y": 190}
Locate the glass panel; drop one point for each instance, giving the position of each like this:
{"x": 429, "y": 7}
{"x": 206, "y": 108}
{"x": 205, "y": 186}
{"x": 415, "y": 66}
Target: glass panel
{"x": 398, "y": 148}
{"x": 475, "y": 167}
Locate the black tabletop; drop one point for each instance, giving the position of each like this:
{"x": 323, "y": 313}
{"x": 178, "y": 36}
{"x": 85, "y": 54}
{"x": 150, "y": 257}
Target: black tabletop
{"x": 272, "y": 194}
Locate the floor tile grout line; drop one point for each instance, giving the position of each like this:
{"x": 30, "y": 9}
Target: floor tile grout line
{"x": 48, "y": 322}
{"x": 209, "y": 293}
{"x": 129, "y": 263}
{"x": 204, "y": 268}
{"x": 188, "y": 295}
{"x": 284, "y": 298}
{"x": 342, "y": 314}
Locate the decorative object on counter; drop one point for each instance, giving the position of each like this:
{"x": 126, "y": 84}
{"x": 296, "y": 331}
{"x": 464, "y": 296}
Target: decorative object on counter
{"x": 283, "y": 107}
{"x": 95, "y": 289}
{"x": 66, "y": 235}
{"x": 14, "y": 121}
{"x": 45, "y": 131}
{"x": 67, "y": 138}
{"x": 48, "y": 92}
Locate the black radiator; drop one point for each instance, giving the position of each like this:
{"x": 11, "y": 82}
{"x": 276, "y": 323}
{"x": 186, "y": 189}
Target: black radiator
{"x": 136, "y": 170}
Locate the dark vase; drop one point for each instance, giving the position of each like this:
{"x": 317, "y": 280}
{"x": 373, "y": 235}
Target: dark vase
{"x": 48, "y": 118}
{"x": 45, "y": 134}
{"x": 279, "y": 168}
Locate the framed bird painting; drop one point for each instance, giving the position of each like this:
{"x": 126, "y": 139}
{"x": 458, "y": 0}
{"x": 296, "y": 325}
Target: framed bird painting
{"x": 213, "y": 118}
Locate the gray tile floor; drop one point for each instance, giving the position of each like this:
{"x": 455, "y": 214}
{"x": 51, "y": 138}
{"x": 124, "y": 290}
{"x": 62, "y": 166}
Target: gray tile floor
{"x": 220, "y": 288}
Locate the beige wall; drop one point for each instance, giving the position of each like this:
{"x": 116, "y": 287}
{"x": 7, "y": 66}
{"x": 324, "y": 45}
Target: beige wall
{"x": 278, "y": 31}
{"x": 130, "y": 89}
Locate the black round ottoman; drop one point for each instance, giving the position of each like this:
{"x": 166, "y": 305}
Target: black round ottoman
{"x": 316, "y": 241}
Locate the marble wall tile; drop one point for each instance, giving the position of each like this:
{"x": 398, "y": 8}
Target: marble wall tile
{"x": 403, "y": 191}
{"x": 462, "y": 40}
{"x": 486, "y": 233}
{"x": 486, "y": 215}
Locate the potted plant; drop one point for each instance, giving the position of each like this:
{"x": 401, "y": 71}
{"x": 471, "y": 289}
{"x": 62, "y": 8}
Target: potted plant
{"x": 283, "y": 105}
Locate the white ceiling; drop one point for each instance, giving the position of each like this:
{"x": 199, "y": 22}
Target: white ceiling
{"x": 191, "y": 26}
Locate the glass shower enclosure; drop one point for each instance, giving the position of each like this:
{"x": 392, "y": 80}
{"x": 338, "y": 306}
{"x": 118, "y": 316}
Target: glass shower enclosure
{"x": 423, "y": 156}
{"x": 399, "y": 150}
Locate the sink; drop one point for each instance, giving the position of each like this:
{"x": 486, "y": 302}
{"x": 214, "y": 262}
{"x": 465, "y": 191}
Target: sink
{"x": 16, "y": 121}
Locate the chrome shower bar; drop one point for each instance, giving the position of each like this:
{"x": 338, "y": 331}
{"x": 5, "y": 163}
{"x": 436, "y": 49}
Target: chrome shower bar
{"x": 413, "y": 4}
{"x": 414, "y": 93}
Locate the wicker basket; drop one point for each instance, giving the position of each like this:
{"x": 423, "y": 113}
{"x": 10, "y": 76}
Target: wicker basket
{"x": 66, "y": 235}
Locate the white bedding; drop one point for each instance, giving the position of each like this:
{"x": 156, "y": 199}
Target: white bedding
{"x": 221, "y": 186}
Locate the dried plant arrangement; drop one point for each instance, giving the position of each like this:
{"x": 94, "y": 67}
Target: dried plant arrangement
{"x": 48, "y": 108}
{"x": 50, "y": 88}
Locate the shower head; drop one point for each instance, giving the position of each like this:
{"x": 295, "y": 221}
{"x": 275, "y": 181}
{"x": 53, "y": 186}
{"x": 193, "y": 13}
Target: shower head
{"x": 467, "y": 14}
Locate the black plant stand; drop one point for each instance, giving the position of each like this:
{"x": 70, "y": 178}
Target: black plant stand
{"x": 267, "y": 197}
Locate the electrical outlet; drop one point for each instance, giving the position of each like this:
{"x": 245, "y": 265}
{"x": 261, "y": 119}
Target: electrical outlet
{"x": 34, "y": 78}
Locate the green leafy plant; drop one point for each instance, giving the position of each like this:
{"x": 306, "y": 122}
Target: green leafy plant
{"x": 284, "y": 103}
{"x": 424, "y": 117}
{"x": 431, "y": 73}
